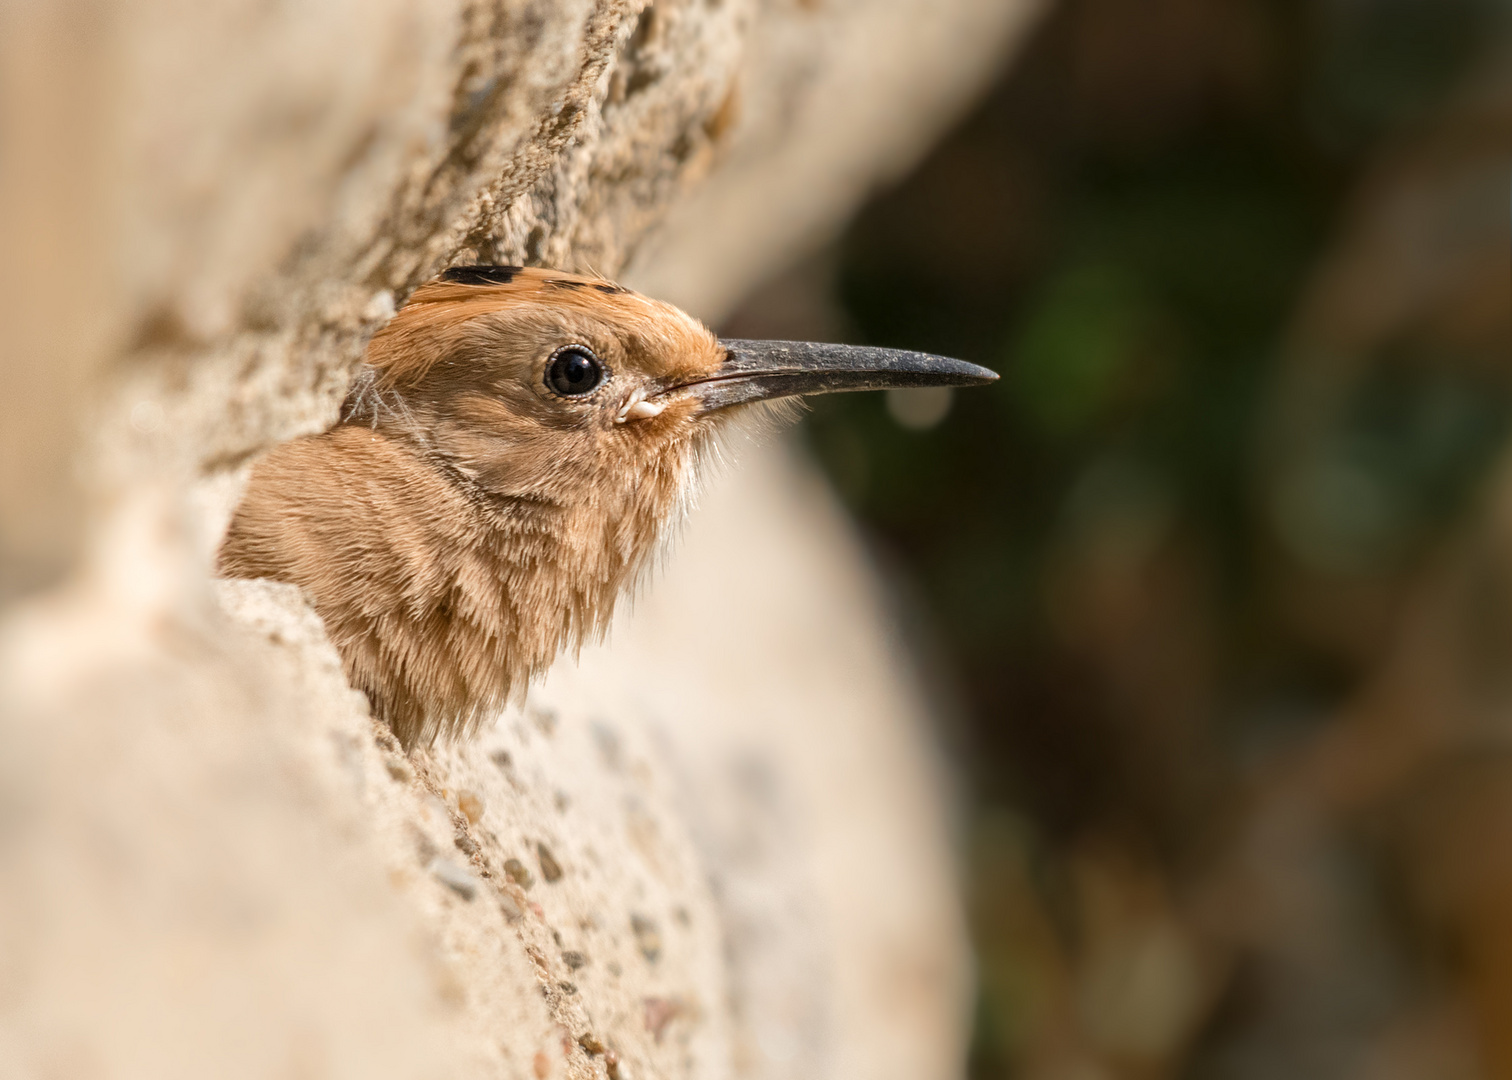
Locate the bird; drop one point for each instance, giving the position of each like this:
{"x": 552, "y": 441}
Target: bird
{"x": 514, "y": 448}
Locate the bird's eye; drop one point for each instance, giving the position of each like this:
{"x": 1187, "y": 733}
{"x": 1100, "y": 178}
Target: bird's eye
{"x": 574, "y": 371}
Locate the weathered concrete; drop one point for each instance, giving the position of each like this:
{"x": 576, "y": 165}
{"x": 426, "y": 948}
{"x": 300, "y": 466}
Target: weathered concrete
{"x": 714, "y": 848}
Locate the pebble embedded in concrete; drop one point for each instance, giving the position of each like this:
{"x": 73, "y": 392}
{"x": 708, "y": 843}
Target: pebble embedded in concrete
{"x": 515, "y": 870}
{"x": 659, "y": 1012}
{"x": 454, "y": 877}
{"x": 471, "y": 805}
{"x": 647, "y": 937}
{"x": 551, "y": 870}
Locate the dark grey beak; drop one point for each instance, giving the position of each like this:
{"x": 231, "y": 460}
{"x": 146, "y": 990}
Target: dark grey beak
{"x": 762, "y": 370}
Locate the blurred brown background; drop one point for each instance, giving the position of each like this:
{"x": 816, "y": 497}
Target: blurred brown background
{"x": 1221, "y": 573}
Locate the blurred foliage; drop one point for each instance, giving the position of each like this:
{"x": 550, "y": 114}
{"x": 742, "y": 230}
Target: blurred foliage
{"x": 1219, "y": 565}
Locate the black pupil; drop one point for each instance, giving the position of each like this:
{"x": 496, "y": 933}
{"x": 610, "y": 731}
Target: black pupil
{"x": 574, "y": 371}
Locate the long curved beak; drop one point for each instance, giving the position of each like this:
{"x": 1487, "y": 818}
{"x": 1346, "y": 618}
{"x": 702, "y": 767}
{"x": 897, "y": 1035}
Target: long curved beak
{"x": 763, "y": 370}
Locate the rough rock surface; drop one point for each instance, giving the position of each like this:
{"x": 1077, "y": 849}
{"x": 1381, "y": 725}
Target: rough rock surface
{"x": 716, "y": 846}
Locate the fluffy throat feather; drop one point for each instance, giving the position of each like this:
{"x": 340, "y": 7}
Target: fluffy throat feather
{"x": 525, "y": 579}
{"x": 447, "y": 597}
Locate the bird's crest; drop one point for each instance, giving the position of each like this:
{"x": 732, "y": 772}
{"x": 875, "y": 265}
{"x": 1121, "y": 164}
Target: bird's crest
{"x": 416, "y": 337}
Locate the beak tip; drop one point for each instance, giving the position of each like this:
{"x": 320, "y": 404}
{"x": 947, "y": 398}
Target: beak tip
{"x": 947, "y": 371}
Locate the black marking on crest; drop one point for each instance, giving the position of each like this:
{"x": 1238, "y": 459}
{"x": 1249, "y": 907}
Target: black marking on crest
{"x": 482, "y": 274}
{"x": 610, "y": 287}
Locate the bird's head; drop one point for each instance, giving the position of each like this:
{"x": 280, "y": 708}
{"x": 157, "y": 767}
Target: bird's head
{"x": 572, "y": 391}
{"x": 514, "y": 447}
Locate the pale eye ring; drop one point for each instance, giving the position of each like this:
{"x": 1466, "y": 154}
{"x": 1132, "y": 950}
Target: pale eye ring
{"x": 574, "y": 371}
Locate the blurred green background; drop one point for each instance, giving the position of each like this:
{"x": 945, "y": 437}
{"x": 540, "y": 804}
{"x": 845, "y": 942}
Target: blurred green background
{"x": 1221, "y": 571}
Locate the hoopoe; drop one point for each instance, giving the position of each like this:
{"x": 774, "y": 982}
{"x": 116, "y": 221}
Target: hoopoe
{"x": 513, "y": 449}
